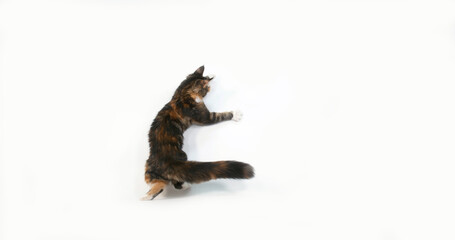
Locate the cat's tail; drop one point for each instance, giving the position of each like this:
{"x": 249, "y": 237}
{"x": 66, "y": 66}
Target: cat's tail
{"x": 196, "y": 172}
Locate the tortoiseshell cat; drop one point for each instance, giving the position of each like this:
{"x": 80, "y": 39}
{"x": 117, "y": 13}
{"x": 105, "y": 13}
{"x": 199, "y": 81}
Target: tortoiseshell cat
{"x": 167, "y": 162}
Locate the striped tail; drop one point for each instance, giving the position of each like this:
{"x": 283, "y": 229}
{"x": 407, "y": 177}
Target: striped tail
{"x": 196, "y": 172}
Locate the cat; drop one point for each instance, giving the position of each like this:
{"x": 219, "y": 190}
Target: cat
{"x": 167, "y": 162}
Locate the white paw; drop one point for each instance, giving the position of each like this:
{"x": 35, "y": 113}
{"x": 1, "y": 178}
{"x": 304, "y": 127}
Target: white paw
{"x": 211, "y": 76}
{"x": 237, "y": 115}
{"x": 146, "y": 198}
{"x": 185, "y": 186}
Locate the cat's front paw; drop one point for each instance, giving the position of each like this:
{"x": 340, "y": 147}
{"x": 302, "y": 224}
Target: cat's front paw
{"x": 237, "y": 115}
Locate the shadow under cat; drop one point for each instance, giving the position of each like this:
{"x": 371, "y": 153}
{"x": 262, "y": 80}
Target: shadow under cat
{"x": 207, "y": 188}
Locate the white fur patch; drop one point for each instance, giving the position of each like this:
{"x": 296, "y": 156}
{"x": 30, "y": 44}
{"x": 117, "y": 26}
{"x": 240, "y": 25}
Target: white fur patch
{"x": 198, "y": 99}
{"x": 186, "y": 185}
{"x": 237, "y": 115}
{"x": 145, "y": 198}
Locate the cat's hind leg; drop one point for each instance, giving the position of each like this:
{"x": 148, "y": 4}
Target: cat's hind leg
{"x": 186, "y": 185}
{"x": 177, "y": 185}
{"x": 181, "y": 185}
{"x": 156, "y": 187}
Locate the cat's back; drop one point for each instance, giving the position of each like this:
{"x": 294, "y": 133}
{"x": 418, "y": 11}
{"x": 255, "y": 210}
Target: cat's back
{"x": 168, "y": 124}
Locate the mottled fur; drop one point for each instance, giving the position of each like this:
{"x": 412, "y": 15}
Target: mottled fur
{"x": 167, "y": 161}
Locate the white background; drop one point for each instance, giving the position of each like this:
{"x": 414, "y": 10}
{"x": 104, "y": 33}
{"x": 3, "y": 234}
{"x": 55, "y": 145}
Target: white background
{"x": 349, "y": 112}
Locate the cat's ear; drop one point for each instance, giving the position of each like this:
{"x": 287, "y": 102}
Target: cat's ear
{"x": 200, "y": 70}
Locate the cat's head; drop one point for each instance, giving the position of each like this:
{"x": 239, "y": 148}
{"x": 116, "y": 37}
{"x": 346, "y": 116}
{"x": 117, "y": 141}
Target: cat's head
{"x": 198, "y": 83}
